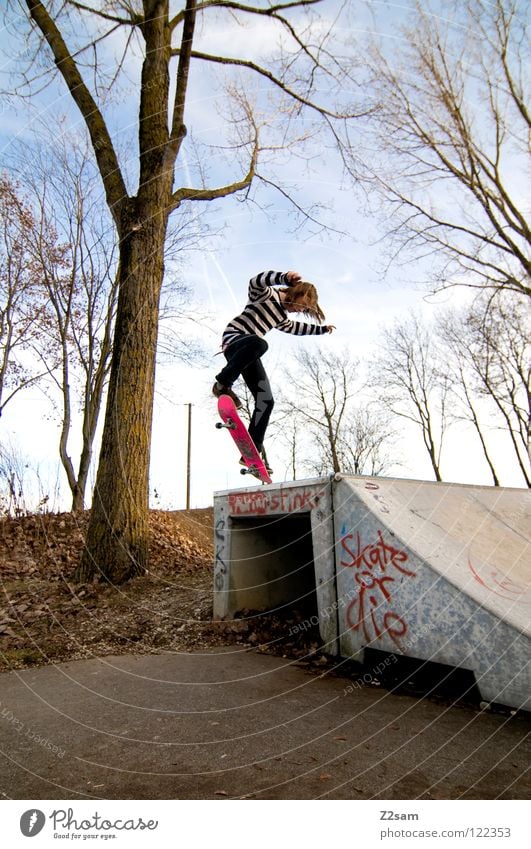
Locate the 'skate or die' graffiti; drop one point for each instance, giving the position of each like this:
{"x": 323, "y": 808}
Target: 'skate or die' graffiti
{"x": 376, "y": 565}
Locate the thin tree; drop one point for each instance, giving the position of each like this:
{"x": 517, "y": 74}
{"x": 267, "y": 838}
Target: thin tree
{"x": 499, "y": 339}
{"x": 344, "y": 435}
{"x": 449, "y": 142}
{"x": 13, "y": 468}
{"x": 366, "y": 442}
{"x": 21, "y": 302}
{"x": 171, "y": 39}
{"x": 75, "y": 289}
{"x": 78, "y": 287}
{"x": 292, "y": 435}
{"x": 412, "y": 382}
{"x": 461, "y": 362}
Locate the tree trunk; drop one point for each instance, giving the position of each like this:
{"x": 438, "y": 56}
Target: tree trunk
{"x": 116, "y": 546}
{"x": 475, "y": 421}
{"x": 93, "y": 399}
{"x": 430, "y": 447}
{"x": 117, "y": 542}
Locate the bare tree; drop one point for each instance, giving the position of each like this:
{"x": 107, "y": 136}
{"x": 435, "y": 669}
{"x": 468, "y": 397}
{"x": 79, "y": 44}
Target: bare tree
{"x": 82, "y": 289}
{"x": 366, "y": 442}
{"x": 461, "y": 366}
{"x": 452, "y": 131}
{"x": 13, "y": 468}
{"x": 292, "y": 435}
{"x": 325, "y": 386}
{"x": 413, "y": 383}
{"x": 163, "y": 38}
{"x": 344, "y": 436}
{"x": 78, "y": 287}
{"x": 21, "y": 302}
{"x": 498, "y": 337}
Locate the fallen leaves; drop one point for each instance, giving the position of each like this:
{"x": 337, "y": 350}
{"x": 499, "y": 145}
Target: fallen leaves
{"x": 45, "y": 617}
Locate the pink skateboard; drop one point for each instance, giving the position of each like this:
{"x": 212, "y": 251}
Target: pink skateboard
{"x": 238, "y": 431}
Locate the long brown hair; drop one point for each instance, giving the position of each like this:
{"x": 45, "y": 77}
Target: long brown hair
{"x": 307, "y": 292}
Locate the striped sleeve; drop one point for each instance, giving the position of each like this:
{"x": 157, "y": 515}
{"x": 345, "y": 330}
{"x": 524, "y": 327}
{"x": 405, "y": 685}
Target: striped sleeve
{"x": 302, "y": 328}
{"x": 260, "y": 286}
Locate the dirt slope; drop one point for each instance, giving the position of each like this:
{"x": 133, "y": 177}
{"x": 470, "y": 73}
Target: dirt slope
{"x": 46, "y": 618}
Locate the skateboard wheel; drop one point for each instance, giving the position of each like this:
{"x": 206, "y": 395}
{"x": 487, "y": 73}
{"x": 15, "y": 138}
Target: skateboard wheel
{"x": 219, "y": 425}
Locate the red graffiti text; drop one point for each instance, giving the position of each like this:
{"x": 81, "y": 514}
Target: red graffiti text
{"x": 285, "y": 501}
{"x": 375, "y": 568}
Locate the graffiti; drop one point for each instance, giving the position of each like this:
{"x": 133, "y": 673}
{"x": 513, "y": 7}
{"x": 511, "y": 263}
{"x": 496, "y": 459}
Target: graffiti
{"x": 372, "y": 487}
{"x": 219, "y": 530}
{"x": 248, "y": 503}
{"x": 374, "y": 566}
{"x": 495, "y": 582}
{"x": 220, "y": 567}
{"x": 382, "y": 504}
{"x": 285, "y": 501}
{"x": 379, "y": 554}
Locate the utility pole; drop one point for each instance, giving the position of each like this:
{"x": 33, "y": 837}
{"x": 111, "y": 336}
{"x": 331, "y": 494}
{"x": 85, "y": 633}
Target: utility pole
{"x": 188, "y": 455}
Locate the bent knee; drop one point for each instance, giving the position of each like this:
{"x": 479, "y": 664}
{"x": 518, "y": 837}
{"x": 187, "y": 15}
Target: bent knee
{"x": 261, "y": 345}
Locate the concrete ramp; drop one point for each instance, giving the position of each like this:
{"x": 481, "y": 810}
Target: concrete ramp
{"x": 437, "y": 572}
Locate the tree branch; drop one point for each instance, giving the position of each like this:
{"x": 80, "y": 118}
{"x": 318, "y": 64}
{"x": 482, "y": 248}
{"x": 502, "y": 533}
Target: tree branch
{"x": 113, "y": 181}
{"x": 256, "y": 10}
{"x": 212, "y": 194}
{"x": 178, "y": 130}
{"x": 133, "y": 20}
{"x": 252, "y": 66}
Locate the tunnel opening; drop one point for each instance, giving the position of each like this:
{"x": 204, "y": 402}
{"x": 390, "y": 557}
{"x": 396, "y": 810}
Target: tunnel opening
{"x": 272, "y": 565}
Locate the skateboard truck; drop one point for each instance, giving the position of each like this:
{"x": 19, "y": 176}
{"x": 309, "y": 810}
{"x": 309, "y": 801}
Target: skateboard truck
{"x": 250, "y": 470}
{"x": 230, "y": 424}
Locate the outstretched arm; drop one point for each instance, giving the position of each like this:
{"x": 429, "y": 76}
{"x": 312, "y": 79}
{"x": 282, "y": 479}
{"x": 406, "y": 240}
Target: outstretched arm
{"x": 259, "y": 285}
{"x": 302, "y": 328}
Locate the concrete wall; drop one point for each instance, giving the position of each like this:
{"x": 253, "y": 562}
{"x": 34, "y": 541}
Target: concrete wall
{"x": 439, "y": 572}
{"x": 273, "y": 546}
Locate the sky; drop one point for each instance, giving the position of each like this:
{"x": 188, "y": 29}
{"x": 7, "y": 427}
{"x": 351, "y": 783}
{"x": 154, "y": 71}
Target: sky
{"x": 347, "y": 270}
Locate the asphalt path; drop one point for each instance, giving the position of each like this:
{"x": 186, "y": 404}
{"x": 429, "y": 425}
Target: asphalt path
{"x": 239, "y": 724}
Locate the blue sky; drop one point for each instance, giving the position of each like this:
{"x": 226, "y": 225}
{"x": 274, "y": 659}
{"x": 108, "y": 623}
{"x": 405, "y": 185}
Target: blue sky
{"x": 347, "y": 270}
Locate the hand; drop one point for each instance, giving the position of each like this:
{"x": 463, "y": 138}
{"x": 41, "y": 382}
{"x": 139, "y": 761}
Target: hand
{"x": 293, "y": 277}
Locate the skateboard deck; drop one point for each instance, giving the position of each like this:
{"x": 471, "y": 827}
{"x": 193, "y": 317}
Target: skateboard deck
{"x": 231, "y": 420}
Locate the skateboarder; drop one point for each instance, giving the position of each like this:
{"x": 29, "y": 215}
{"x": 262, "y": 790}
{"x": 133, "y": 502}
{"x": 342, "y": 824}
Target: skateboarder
{"x": 243, "y": 344}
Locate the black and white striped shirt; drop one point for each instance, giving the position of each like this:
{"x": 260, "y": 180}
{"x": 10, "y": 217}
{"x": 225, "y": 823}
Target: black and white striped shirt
{"x": 264, "y": 311}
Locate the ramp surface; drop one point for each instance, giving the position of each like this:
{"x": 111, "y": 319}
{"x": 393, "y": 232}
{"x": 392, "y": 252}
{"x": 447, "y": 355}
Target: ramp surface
{"x": 440, "y": 572}
{"x": 434, "y": 571}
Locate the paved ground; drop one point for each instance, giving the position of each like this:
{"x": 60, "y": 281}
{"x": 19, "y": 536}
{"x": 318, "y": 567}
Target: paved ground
{"x": 236, "y": 723}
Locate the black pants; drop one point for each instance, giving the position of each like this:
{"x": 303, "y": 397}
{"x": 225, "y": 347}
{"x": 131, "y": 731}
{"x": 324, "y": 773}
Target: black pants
{"x": 243, "y": 358}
